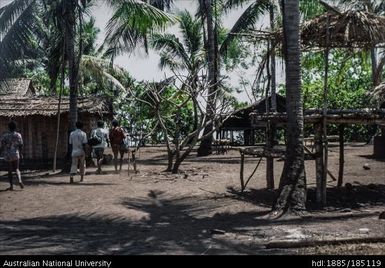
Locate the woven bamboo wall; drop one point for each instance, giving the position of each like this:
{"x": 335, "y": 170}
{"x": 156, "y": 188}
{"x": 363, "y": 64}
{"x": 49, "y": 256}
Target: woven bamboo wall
{"x": 39, "y": 134}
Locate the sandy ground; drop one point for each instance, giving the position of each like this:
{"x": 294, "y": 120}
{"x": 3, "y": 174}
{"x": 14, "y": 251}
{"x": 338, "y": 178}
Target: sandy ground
{"x": 199, "y": 211}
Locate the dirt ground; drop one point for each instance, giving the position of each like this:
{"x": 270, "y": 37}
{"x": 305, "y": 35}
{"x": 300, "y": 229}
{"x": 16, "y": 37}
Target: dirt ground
{"x": 200, "y": 211}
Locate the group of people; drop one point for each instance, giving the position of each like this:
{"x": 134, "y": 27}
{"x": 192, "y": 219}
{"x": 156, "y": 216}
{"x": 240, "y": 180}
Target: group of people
{"x": 99, "y": 139}
{"x": 11, "y": 145}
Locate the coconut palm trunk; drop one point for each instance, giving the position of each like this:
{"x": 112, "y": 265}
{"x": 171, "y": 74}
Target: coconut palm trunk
{"x": 292, "y": 195}
{"x": 205, "y": 147}
{"x": 70, "y": 25}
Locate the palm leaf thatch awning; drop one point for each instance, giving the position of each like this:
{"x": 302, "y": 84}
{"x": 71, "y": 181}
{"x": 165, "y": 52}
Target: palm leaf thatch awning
{"x": 351, "y": 29}
{"x": 48, "y": 106}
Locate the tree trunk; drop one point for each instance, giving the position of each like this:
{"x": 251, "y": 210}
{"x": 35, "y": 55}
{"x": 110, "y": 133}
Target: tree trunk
{"x": 59, "y": 116}
{"x": 373, "y": 56}
{"x": 272, "y": 63}
{"x": 205, "y": 147}
{"x": 70, "y": 15}
{"x": 170, "y": 158}
{"x": 292, "y": 195}
{"x": 341, "y": 132}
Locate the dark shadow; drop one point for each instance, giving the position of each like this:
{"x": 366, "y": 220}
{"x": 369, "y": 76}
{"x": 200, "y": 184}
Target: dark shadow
{"x": 36, "y": 181}
{"x": 175, "y": 225}
{"x": 349, "y": 196}
{"x": 77, "y": 183}
{"x": 372, "y": 157}
{"x": 169, "y": 227}
{"x": 259, "y": 197}
{"x": 162, "y": 160}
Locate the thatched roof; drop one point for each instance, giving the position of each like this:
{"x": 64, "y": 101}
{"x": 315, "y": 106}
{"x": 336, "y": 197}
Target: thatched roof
{"x": 16, "y": 87}
{"x": 47, "y": 106}
{"x": 356, "y": 29}
{"x": 351, "y": 29}
{"x": 241, "y": 120}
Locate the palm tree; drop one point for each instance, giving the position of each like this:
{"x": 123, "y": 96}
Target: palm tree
{"x": 186, "y": 55}
{"x": 205, "y": 147}
{"x": 292, "y": 195}
{"x": 21, "y": 19}
{"x": 69, "y": 12}
{"x": 18, "y": 25}
{"x": 131, "y": 23}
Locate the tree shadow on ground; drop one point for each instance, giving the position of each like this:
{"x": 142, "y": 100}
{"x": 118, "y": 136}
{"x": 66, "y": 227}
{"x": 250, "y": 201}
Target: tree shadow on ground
{"x": 349, "y": 196}
{"x": 170, "y": 227}
{"x": 372, "y": 157}
{"x": 179, "y": 225}
{"x": 162, "y": 160}
{"x": 36, "y": 181}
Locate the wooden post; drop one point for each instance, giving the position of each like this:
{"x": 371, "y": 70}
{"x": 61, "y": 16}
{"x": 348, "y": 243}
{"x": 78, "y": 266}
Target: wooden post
{"x": 318, "y": 161}
{"x": 241, "y": 173}
{"x": 134, "y": 161}
{"x": 253, "y": 137}
{"x": 29, "y": 154}
{"x": 269, "y": 159}
{"x": 128, "y": 162}
{"x": 324, "y": 120}
{"x": 341, "y": 129}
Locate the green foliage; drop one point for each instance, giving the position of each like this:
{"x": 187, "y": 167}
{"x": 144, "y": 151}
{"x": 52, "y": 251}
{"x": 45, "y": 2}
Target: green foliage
{"x": 349, "y": 78}
{"x": 236, "y": 51}
{"x": 137, "y": 113}
{"x": 348, "y": 84}
{"x": 310, "y": 9}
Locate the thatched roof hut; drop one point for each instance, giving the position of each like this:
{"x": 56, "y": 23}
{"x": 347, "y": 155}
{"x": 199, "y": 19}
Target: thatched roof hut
{"x": 351, "y": 29}
{"x": 36, "y": 117}
{"x": 17, "y": 87}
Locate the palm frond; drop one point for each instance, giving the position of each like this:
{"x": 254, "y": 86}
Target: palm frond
{"x": 248, "y": 19}
{"x": 166, "y": 60}
{"x": 161, "y": 4}
{"x": 17, "y": 28}
{"x": 132, "y": 21}
{"x": 191, "y": 29}
{"x": 170, "y": 44}
{"x": 100, "y": 69}
{"x": 231, "y": 4}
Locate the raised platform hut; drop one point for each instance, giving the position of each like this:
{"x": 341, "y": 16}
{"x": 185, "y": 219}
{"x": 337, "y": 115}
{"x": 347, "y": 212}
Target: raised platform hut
{"x": 241, "y": 121}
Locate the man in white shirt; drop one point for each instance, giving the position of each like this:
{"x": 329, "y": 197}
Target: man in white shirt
{"x": 78, "y": 140}
{"x": 98, "y": 149}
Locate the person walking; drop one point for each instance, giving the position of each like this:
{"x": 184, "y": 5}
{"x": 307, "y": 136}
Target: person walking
{"x": 117, "y": 137}
{"x": 101, "y": 136}
{"x": 10, "y": 147}
{"x": 78, "y": 141}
